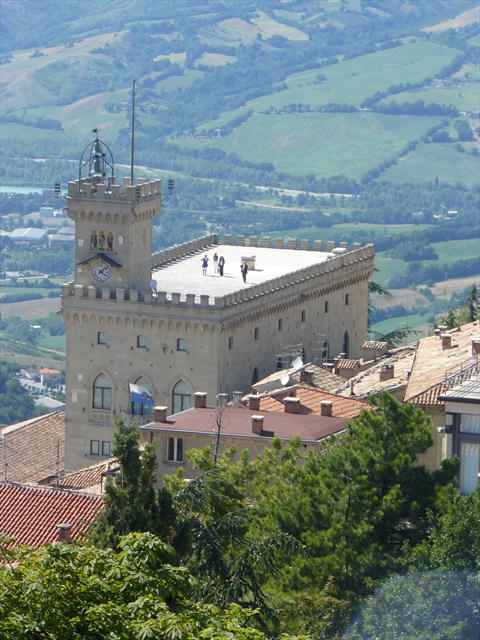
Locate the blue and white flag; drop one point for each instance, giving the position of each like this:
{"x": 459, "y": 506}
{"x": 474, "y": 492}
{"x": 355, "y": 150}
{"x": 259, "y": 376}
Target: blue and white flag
{"x": 140, "y": 394}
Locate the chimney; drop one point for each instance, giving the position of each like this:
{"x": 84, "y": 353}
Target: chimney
{"x": 475, "y": 347}
{"x": 254, "y": 402}
{"x": 291, "y": 404}
{"x": 160, "y": 414}
{"x": 237, "y": 398}
{"x": 442, "y": 328}
{"x": 200, "y": 400}
{"x": 257, "y": 425}
{"x": 446, "y": 341}
{"x": 329, "y": 366}
{"x": 437, "y": 332}
{"x": 387, "y": 372}
{"x": 326, "y": 407}
{"x": 63, "y": 534}
{"x": 307, "y": 376}
{"x": 222, "y": 399}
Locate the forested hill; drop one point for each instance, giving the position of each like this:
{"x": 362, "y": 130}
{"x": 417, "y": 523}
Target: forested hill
{"x": 365, "y": 89}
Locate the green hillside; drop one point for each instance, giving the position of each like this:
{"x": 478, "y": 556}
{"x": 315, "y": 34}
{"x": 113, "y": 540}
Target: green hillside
{"x": 325, "y": 144}
{"x": 430, "y": 161}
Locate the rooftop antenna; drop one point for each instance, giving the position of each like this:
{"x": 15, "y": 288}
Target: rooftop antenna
{"x": 132, "y": 160}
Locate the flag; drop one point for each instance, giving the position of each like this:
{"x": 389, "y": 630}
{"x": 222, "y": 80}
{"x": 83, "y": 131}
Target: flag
{"x": 140, "y": 394}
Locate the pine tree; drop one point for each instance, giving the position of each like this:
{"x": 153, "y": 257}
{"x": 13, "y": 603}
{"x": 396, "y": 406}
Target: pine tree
{"x": 472, "y": 304}
{"x": 132, "y": 502}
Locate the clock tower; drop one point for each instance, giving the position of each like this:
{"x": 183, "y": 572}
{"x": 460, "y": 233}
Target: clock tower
{"x": 113, "y": 232}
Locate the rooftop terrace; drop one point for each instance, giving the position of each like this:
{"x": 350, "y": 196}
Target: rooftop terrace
{"x": 185, "y": 275}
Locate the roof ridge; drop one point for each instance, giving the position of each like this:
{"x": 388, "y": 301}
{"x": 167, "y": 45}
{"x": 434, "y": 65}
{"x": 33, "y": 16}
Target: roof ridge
{"x": 48, "y": 489}
{"x": 30, "y": 421}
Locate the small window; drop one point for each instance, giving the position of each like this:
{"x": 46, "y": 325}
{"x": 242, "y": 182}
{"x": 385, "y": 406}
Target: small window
{"x": 175, "y": 449}
{"x": 94, "y": 447}
{"x": 303, "y": 316}
{"x": 230, "y": 343}
{"x": 280, "y": 324}
{"x": 256, "y": 333}
{"x": 347, "y": 299}
{"x": 105, "y": 447}
{"x": 142, "y": 342}
{"x": 326, "y": 306}
{"x": 102, "y": 338}
{"x": 181, "y": 345}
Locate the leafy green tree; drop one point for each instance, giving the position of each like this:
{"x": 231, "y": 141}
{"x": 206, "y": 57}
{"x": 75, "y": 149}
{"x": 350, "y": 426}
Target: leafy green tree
{"x": 454, "y": 541}
{"x": 79, "y": 592}
{"x": 434, "y": 605}
{"x": 16, "y": 404}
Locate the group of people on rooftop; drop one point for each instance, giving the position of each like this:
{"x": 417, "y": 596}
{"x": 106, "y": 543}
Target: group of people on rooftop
{"x": 219, "y": 266}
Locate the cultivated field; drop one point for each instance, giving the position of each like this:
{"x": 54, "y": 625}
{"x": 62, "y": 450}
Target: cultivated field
{"x": 430, "y": 161}
{"x": 30, "y": 309}
{"x": 457, "y": 22}
{"x": 351, "y": 81}
{"x": 324, "y": 144}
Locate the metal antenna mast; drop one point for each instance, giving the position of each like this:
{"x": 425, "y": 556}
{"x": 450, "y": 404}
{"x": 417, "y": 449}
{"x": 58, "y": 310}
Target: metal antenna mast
{"x": 132, "y": 160}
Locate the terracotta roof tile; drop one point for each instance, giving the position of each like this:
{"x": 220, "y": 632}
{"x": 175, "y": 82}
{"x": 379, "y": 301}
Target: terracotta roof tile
{"x": 89, "y": 479}
{"x": 321, "y": 378}
{"x": 432, "y": 363}
{"x": 368, "y": 382}
{"x": 31, "y": 515}
{"x": 375, "y": 345}
{"x": 347, "y": 364}
{"x": 34, "y": 449}
{"x": 238, "y": 423}
{"x": 310, "y": 400}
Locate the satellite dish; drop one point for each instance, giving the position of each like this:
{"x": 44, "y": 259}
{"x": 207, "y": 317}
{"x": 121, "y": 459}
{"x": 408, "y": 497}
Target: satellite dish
{"x": 285, "y": 379}
{"x": 297, "y": 364}
{"x": 153, "y": 285}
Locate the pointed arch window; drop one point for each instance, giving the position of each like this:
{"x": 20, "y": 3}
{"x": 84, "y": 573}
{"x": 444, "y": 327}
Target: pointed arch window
{"x": 142, "y": 404}
{"x": 102, "y": 393}
{"x": 181, "y": 397}
{"x": 255, "y": 376}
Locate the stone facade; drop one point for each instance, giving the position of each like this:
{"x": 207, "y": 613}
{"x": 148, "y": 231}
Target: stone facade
{"x": 120, "y": 331}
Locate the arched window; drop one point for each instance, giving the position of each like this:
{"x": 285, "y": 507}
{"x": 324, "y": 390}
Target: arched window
{"x": 143, "y": 408}
{"x": 346, "y": 343}
{"x": 304, "y": 354}
{"x": 181, "y": 397}
{"x": 255, "y": 376}
{"x": 102, "y": 393}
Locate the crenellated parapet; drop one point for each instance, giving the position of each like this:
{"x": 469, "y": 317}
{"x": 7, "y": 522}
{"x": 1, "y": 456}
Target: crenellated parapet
{"x": 89, "y": 188}
{"x": 347, "y": 266}
{"x": 179, "y": 251}
{"x": 185, "y": 249}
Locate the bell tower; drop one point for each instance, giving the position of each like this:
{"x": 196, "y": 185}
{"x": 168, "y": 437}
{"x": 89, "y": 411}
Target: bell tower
{"x": 113, "y": 232}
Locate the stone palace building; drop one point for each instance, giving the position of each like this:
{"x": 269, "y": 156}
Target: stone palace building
{"x": 156, "y": 322}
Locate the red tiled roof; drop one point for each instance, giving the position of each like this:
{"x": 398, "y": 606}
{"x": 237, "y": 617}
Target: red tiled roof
{"x": 347, "y": 363}
{"x": 89, "y": 478}
{"x": 237, "y": 421}
{"x": 31, "y": 515}
{"x": 48, "y": 370}
{"x": 310, "y": 401}
{"x": 34, "y": 449}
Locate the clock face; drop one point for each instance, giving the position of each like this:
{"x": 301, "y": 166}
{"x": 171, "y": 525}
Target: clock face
{"x": 101, "y": 271}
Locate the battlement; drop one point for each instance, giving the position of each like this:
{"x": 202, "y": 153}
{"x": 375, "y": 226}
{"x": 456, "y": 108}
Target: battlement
{"x": 91, "y": 188}
{"x": 185, "y": 249}
{"x": 355, "y": 260}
